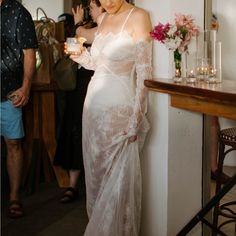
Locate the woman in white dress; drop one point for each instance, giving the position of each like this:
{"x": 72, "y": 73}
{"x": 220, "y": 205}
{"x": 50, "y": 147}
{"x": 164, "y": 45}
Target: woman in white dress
{"x": 114, "y": 122}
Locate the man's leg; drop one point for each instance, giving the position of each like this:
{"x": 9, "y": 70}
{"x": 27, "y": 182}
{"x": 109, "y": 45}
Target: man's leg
{"x": 12, "y": 130}
{"x": 14, "y": 166}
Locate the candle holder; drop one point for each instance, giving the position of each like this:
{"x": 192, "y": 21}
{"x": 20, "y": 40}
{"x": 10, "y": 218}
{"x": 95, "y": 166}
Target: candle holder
{"x": 191, "y": 68}
{"x": 191, "y": 76}
{"x": 202, "y": 69}
{"x": 215, "y": 71}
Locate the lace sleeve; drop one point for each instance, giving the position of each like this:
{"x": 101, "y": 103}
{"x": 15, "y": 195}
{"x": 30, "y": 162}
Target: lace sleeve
{"x": 143, "y": 65}
{"x": 86, "y": 60}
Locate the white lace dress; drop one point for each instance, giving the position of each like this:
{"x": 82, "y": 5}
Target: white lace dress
{"x": 114, "y": 110}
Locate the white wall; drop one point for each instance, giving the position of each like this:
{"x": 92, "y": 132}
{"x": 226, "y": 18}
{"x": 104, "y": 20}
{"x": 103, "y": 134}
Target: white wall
{"x": 53, "y": 8}
{"x": 171, "y": 161}
{"x": 155, "y": 157}
{"x": 225, "y": 12}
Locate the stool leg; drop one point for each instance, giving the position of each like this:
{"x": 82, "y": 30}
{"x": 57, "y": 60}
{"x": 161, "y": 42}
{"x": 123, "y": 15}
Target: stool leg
{"x": 218, "y": 183}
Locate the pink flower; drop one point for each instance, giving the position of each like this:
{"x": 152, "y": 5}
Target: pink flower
{"x": 176, "y": 36}
{"x": 160, "y": 31}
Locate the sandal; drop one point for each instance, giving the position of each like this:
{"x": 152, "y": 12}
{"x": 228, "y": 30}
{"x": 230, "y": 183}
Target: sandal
{"x": 69, "y": 195}
{"x": 15, "y": 209}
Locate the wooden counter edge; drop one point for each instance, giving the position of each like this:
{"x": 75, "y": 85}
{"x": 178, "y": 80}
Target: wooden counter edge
{"x": 210, "y": 102}
{"x": 191, "y": 91}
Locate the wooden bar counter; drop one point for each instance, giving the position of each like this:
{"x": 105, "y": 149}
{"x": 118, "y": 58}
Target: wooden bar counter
{"x": 211, "y": 99}
{"x": 40, "y": 138}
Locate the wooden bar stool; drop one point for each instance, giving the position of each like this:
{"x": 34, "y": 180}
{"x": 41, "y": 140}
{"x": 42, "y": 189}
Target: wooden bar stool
{"x": 227, "y": 137}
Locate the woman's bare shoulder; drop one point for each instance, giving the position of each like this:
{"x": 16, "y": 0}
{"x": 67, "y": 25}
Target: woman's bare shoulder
{"x": 141, "y": 18}
{"x": 140, "y": 13}
{"x": 100, "y": 17}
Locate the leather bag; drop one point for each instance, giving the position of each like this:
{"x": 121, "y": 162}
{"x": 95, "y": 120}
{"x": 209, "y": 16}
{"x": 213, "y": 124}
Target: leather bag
{"x": 65, "y": 74}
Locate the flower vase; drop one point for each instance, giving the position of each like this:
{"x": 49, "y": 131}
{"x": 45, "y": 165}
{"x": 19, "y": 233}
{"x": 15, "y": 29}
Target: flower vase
{"x": 177, "y": 76}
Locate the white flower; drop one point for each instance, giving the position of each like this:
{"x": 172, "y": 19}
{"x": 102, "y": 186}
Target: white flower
{"x": 172, "y": 30}
{"x": 172, "y": 43}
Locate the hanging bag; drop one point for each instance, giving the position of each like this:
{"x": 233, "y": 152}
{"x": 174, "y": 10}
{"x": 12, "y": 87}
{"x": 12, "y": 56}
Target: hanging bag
{"x": 49, "y": 50}
{"x": 65, "y": 74}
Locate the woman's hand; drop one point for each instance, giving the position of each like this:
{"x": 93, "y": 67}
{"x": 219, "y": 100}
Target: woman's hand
{"x": 76, "y": 53}
{"x": 74, "y": 56}
{"x": 132, "y": 139}
{"x": 78, "y": 13}
{"x": 65, "y": 48}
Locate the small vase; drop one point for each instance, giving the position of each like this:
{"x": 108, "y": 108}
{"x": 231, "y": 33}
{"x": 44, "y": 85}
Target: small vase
{"x": 177, "y": 77}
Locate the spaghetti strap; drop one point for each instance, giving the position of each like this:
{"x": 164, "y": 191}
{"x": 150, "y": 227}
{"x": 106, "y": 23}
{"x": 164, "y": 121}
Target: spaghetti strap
{"x": 123, "y": 26}
{"x": 101, "y": 22}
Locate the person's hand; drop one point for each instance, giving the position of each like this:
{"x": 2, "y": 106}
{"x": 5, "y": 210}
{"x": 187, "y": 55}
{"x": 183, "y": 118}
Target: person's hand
{"x": 132, "y": 139}
{"x": 65, "y": 48}
{"x": 78, "y": 13}
{"x": 21, "y": 97}
{"x": 77, "y": 54}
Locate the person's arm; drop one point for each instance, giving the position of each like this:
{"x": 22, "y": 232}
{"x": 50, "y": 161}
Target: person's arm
{"x": 84, "y": 59}
{"x": 29, "y": 68}
{"x": 89, "y": 34}
{"x": 143, "y": 63}
{"x": 27, "y": 40}
{"x": 78, "y": 13}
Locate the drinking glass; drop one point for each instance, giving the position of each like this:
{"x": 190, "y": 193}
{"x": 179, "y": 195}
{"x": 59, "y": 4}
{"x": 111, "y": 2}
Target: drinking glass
{"x": 73, "y": 45}
{"x": 12, "y": 96}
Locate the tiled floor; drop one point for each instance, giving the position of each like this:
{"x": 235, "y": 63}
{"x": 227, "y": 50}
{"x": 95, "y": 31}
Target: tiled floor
{"x": 45, "y": 216}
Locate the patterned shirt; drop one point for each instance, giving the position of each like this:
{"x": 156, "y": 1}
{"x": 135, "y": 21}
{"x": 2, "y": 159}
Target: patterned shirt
{"x": 17, "y": 33}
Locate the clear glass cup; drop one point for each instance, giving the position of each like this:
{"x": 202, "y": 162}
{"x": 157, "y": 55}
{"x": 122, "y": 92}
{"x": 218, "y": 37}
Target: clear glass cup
{"x": 12, "y": 96}
{"x": 73, "y": 45}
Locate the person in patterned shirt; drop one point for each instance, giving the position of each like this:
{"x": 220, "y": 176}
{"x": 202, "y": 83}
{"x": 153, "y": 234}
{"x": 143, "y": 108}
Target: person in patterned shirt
{"x": 18, "y": 44}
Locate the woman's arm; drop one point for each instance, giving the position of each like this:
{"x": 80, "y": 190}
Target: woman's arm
{"x": 143, "y": 62}
{"x": 84, "y": 59}
{"x": 141, "y": 25}
{"x": 89, "y": 34}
